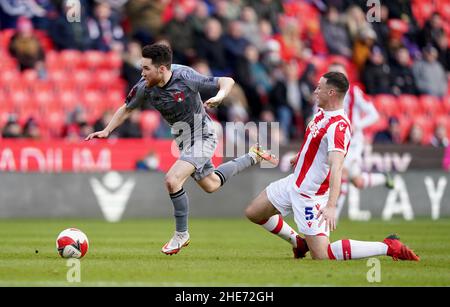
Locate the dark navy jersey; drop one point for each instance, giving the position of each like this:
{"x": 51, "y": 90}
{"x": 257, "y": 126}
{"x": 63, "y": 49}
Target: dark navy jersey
{"x": 178, "y": 100}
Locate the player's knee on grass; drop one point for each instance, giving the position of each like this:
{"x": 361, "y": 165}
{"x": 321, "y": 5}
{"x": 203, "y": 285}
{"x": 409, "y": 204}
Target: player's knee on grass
{"x": 318, "y": 247}
{"x": 319, "y": 254}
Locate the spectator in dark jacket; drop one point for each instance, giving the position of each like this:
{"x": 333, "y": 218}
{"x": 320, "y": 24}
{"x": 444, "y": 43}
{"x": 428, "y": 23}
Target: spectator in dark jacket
{"x": 286, "y": 100}
{"x": 105, "y": 32}
{"x": 70, "y": 35}
{"x": 212, "y": 49}
{"x": 375, "y": 75}
{"x": 180, "y": 32}
{"x": 402, "y": 76}
{"x": 131, "y": 128}
{"x": 335, "y": 34}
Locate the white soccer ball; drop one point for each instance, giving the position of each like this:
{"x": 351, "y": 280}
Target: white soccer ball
{"x": 72, "y": 243}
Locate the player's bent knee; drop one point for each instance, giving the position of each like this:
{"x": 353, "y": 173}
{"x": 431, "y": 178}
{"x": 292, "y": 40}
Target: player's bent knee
{"x": 209, "y": 189}
{"x": 252, "y": 215}
{"x": 172, "y": 183}
{"x": 319, "y": 254}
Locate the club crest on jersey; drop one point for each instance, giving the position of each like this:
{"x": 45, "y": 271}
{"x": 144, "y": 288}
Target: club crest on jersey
{"x": 178, "y": 96}
{"x": 314, "y": 130}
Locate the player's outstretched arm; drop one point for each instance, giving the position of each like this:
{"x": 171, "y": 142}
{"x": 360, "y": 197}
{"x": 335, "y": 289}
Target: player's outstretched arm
{"x": 328, "y": 213}
{"x": 225, "y": 86}
{"x": 119, "y": 117}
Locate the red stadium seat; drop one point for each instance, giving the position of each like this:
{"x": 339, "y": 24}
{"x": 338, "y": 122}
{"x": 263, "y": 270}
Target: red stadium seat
{"x": 92, "y": 59}
{"x": 45, "y": 100}
{"x": 7, "y": 62}
{"x": 112, "y": 60}
{"x": 150, "y": 121}
{"x": 68, "y": 100}
{"x": 6, "y": 101}
{"x": 5, "y": 37}
{"x": 446, "y": 104}
{"x": 114, "y": 99}
{"x": 405, "y": 125}
{"x": 443, "y": 7}
{"x": 9, "y": 76}
{"x": 19, "y": 100}
{"x": 82, "y": 78}
{"x": 442, "y": 119}
{"x": 409, "y": 105}
{"x": 386, "y": 104}
{"x": 41, "y": 86}
{"x": 93, "y": 101}
{"x": 101, "y": 79}
{"x": 29, "y": 76}
{"x": 430, "y": 105}
{"x": 422, "y": 10}
{"x": 54, "y": 123}
{"x": 44, "y": 39}
{"x": 427, "y": 124}
{"x": 70, "y": 59}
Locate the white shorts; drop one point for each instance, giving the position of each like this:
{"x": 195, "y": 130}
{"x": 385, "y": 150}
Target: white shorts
{"x": 285, "y": 199}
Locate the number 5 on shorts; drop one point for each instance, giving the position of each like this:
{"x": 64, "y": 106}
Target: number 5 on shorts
{"x": 309, "y": 215}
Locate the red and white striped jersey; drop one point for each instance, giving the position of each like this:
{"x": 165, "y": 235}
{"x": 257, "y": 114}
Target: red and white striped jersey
{"x": 327, "y": 131}
{"x": 360, "y": 111}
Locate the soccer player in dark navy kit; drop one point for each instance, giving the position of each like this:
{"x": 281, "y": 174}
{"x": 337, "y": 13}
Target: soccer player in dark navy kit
{"x": 173, "y": 90}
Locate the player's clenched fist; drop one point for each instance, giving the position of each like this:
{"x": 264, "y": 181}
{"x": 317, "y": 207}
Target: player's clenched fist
{"x": 99, "y": 134}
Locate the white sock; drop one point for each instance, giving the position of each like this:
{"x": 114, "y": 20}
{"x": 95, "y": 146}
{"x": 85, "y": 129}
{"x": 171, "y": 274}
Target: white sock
{"x": 373, "y": 179}
{"x": 352, "y": 249}
{"x": 276, "y": 225}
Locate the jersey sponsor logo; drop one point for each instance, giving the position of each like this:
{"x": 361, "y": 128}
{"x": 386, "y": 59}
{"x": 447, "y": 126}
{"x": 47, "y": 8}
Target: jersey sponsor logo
{"x": 178, "y": 96}
{"x": 342, "y": 126}
{"x": 318, "y": 207}
{"x": 309, "y": 224}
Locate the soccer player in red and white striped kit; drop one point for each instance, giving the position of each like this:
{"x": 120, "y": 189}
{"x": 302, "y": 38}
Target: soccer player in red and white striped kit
{"x": 311, "y": 192}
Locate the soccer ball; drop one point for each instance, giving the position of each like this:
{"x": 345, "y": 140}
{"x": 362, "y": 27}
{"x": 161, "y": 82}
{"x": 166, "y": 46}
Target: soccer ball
{"x": 72, "y": 243}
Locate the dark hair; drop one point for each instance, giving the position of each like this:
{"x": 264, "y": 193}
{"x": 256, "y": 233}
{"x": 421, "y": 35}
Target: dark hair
{"x": 160, "y": 54}
{"x": 338, "y": 81}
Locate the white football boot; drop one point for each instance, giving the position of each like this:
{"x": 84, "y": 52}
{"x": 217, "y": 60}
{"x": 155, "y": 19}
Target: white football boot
{"x": 178, "y": 241}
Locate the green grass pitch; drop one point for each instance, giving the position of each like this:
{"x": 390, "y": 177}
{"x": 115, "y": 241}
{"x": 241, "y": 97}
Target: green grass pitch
{"x": 223, "y": 252}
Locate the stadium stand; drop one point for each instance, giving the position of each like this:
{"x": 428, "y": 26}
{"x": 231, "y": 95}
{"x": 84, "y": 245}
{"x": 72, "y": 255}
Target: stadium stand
{"x": 92, "y": 79}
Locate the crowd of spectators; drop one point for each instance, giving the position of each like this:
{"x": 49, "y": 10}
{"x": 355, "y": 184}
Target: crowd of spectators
{"x": 274, "y": 49}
